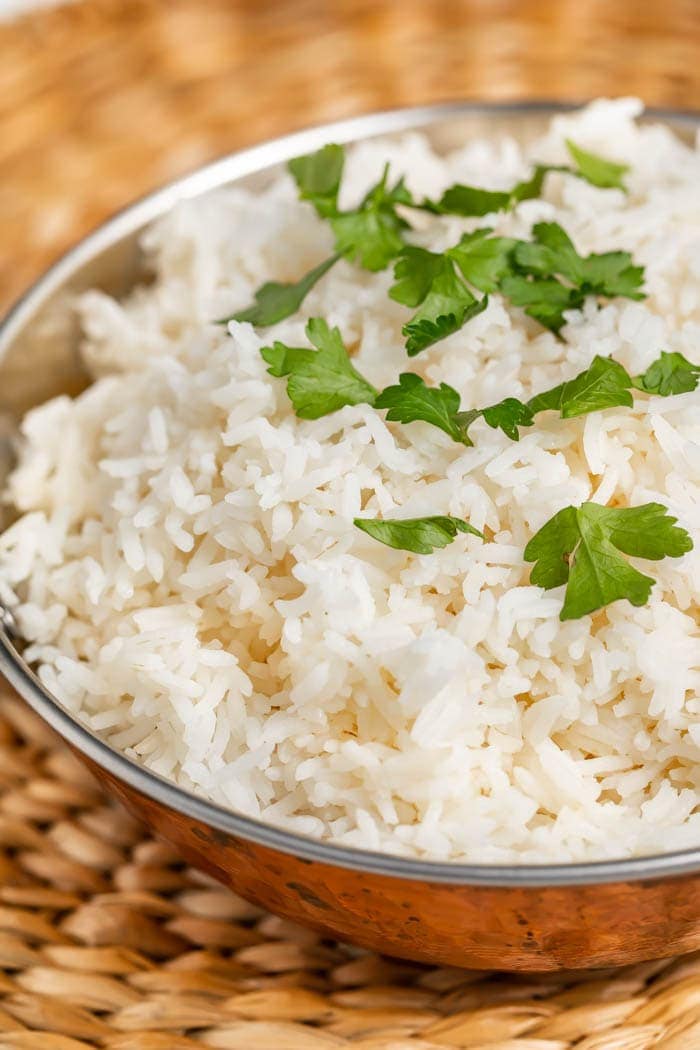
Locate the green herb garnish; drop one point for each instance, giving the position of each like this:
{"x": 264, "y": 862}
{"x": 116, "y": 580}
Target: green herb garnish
{"x": 419, "y": 535}
{"x": 322, "y": 380}
{"x": 370, "y": 234}
{"x": 544, "y": 300}
{"x": 275, "y": 301}
{"x": 413, "y": 400}
{"x": 604, "y": 384}
{"x": 318, "y": 176}
{"x": 428, "y": 280}
{"x": 582, "y": 547}
{"x": 669, "y": 374}
{"x": 552, "y": 253}
{"x": 596, "y": 170}
{"x": 482, "y": 259}
{"x": 373, "y": 234}
{"x": 475, "y": 201}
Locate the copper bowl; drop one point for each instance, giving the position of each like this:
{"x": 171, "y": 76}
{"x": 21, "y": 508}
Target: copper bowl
{"x": 530, "y": 917}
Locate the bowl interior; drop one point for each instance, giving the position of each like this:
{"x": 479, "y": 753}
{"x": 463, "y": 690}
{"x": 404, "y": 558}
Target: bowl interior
{"x": 39, "y": 358}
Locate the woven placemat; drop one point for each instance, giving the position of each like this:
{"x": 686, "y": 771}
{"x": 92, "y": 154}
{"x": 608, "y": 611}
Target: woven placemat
{"x": 104, "y": 99}
{"x": 106, "y": 938}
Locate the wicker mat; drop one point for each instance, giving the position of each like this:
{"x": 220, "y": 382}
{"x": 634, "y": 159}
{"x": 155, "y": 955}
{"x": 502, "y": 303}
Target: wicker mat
{"x": 106, "y": 938}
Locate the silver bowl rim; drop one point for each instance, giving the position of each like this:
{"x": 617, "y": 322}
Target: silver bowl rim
{"x": 232, "y": 167}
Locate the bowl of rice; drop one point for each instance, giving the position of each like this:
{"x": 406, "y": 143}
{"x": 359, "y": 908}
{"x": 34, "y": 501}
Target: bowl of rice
{"x": 351, "y": 526}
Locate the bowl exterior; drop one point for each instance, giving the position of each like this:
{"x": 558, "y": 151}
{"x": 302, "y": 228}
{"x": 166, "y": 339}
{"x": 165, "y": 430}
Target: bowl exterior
{"x": 528, "y": 928}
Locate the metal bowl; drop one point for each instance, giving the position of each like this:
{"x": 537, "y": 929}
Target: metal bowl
{"x": 525, "y": 917}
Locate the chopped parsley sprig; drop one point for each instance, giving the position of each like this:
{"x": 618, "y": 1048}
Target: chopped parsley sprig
{"x": 373, "y": 234}
{"x": 419, "y": 535}
{"x": 583, "y": 547}
{"x": 319, "y": 381}
{"x": 274, "y": 301}
{"x": 324, "y": 380}
{"x": 669, "y": 374}
{"x": 428, "y": 280}
{"x": 546, "y": 276}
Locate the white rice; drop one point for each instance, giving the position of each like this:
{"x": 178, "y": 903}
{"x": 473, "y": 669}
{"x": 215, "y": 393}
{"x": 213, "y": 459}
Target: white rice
{"x": 188, "y": 574}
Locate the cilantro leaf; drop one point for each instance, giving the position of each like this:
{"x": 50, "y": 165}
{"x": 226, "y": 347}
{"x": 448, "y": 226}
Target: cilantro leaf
{"x": 596, "y": 170}
{"x": 419, "y": 535}
{"x": 669, "y": 374}
{"x": 372, "y": 234}
{"x": 318, "y": 177}
{"x": 275, "y": 301}
{"x": 322, "y": 380}
{"x": 553, "y": 253}
{"x": 583, "y": 547}
{"x": 604, "y": 384}
{"x": 544, "y": 299}
{"x": 446, "y": 304}
{"x": 484, "y": 260}
{"x": 412, "y": 400}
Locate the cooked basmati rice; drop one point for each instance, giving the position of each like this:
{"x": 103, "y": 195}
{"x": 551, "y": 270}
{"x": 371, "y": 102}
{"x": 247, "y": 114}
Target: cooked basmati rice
{"x": 186, "y": 570}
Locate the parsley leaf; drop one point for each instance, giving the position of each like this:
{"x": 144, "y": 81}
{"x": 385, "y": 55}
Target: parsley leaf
{"x": 420, "y": 535}
{"x": 544, "y": 299}
{"x": 532, "y": 187}
{"x": 583, "y": 547}
{"x": 318, "y": 177}
{"x": 477, "y": 201}
{"x": 471, "y": 201}
{"x": 596, "y": 170}
{"x": 322, "y": 380}
{"x": 372, "y": 234}
{"x": 669, "y": 374}
{"x": 604, "y": 384}
{"x": 414, "y": 273}
{"x": 412, "y": 400}
{"x": 484, "y": 260}
{"x": 507, "y": 416}
{"x": 428, "y": 279}
{"x": 553, "y": 253}
{"x": 275, "y": 301}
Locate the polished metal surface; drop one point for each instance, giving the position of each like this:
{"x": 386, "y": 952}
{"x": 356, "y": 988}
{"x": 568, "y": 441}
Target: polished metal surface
{"x": 39, "y": 358}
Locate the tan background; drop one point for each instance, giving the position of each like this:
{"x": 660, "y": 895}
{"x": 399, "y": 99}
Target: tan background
{"x": 104, "y": 99}
{"x": 106, "y": 939}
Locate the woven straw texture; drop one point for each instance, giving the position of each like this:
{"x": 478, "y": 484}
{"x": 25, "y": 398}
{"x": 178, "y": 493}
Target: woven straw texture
{"x": 106, "y": 938}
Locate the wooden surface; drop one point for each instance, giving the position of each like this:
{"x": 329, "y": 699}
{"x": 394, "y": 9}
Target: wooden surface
{"x": 102, "y": 100}
{"x": 106, "y": 939}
